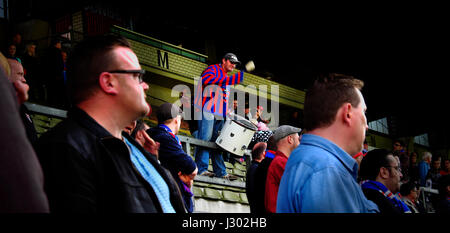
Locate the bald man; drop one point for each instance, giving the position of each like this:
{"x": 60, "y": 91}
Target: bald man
{"x": 20, "y": 84}
{"x": 21, "y": 178}
{"x": 18, "y": 79}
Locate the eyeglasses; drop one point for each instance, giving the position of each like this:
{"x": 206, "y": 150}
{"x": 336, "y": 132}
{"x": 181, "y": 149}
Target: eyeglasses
{"x": 139, "y": 72}
{"x": 396, "y": 144}
{"x": 396, "y": 168}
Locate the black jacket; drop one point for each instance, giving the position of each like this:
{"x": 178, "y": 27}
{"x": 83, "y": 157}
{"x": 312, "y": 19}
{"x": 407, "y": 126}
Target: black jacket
{"x": 21, "y": 179}
{"x": 86, "y": 170}
{"x": 384, "y": 205}
{"x": 171, "y": 154}
{"x": 258, "y": 205}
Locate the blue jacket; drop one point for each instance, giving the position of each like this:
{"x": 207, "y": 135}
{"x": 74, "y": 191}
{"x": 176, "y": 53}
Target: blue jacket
{"x": 424, "y": 167}
{"x": 320, "y": 177}
{"x": 173, "y": 157}
{"x": 171, "y": 154}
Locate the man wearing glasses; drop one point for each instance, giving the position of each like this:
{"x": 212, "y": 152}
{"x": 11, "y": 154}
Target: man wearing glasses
{"x": 380, "y": 173}
{"x": 89, "y": 164}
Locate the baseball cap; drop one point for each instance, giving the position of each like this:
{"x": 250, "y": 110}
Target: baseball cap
{"x": 168, "y": 111}
{"x": 284, "y": 131}
{"x": 232, "y": 58}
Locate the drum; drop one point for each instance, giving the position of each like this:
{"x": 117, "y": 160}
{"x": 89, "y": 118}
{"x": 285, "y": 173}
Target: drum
{"x": 236, "y": 134}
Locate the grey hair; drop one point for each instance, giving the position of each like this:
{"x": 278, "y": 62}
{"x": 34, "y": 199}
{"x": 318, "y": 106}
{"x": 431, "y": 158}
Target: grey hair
{"x": 426, "y": 155}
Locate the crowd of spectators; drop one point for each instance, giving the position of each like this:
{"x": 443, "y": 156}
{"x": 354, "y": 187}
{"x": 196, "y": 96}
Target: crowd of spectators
{"x": 104, "y": 158}
{"x": 45, "y": 73}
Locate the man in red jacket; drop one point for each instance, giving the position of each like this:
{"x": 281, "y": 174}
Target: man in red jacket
{"x": 287, "y": 139}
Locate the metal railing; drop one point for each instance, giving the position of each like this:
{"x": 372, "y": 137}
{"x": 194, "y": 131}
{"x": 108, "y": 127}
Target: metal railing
{"x": 188, "y": 142}
{"x": 427, "y": 195}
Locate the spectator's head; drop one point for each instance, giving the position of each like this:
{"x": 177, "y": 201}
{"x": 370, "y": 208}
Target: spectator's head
{"x": 64, "y": 55}
{"x": 30, "y": 49}
{"x": 104, "y": 68}
{"x": 139, "y": 130}
{"x": 229, "y": 62}
{"x": 413, "y": 157}
{"x": 335, "y": 104}
{"x": 447, "y": 165}
{"x": 436, "y": 163}
{"x": 246, "y": 108}
{"x": 381, "y": 166}
{"x": 287, "y": 138}
{"x": 444, "y": 186}
{"x": 18, "y": 79}
{"x": 56, "y": 43}
{"x": 258, "y": 151}
{"x": 12, "y": 49}
{"x": 16, "y": 70}
{"x": 366, "y": 145}
{"x": 235, "y": 104}
{"x": 398, "y": 145}
{"x": 410, "y": 191}
{"x": 259, "y": 110}
{"x": 17, "y": 39}
{"x": 171, "y": 115}
{"x": 426, "y": 156}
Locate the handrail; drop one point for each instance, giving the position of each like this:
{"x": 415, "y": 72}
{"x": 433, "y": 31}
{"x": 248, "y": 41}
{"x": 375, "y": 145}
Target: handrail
{"x": 188, "y": 141}
{"x": 46, "y": 110}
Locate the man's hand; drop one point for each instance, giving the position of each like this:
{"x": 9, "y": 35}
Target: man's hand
{"x": 150, "y": 145}
{"x": 188, "y": 179}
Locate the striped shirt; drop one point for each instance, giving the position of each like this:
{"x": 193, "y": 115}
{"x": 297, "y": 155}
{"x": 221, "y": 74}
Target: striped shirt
{"x": 213, "y": 91}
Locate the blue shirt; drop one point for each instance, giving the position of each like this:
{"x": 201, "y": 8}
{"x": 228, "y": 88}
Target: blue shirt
{"x": 320, "y": 177}
{"x": 424, "y": 167}
{"x": 151, "y": 175}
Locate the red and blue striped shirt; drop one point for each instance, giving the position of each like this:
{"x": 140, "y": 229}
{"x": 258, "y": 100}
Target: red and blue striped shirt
{"x": 212, "y": 92}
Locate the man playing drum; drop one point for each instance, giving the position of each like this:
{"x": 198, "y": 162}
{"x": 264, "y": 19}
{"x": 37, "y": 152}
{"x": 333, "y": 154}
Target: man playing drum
{"x": 211, "y": 102}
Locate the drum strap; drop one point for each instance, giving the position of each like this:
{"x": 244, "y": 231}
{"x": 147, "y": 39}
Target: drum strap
{"x": 170, "y": 132}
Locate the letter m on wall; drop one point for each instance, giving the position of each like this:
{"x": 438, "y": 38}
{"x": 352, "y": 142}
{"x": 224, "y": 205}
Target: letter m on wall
{"x": 163, "y": 60}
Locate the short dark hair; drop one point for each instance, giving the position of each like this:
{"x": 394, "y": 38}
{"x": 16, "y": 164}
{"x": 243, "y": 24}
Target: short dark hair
{"x": 372, "y": 162}
{"x": 140, "y": 125}
{"x": 326, "y": 96}
{"x": 400, "y": 142}
{"x": 258, "y": 149}
{"x": 436, "y": 158}
{"x": 406, "y": 188}
{"x": 88, "y": 60}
